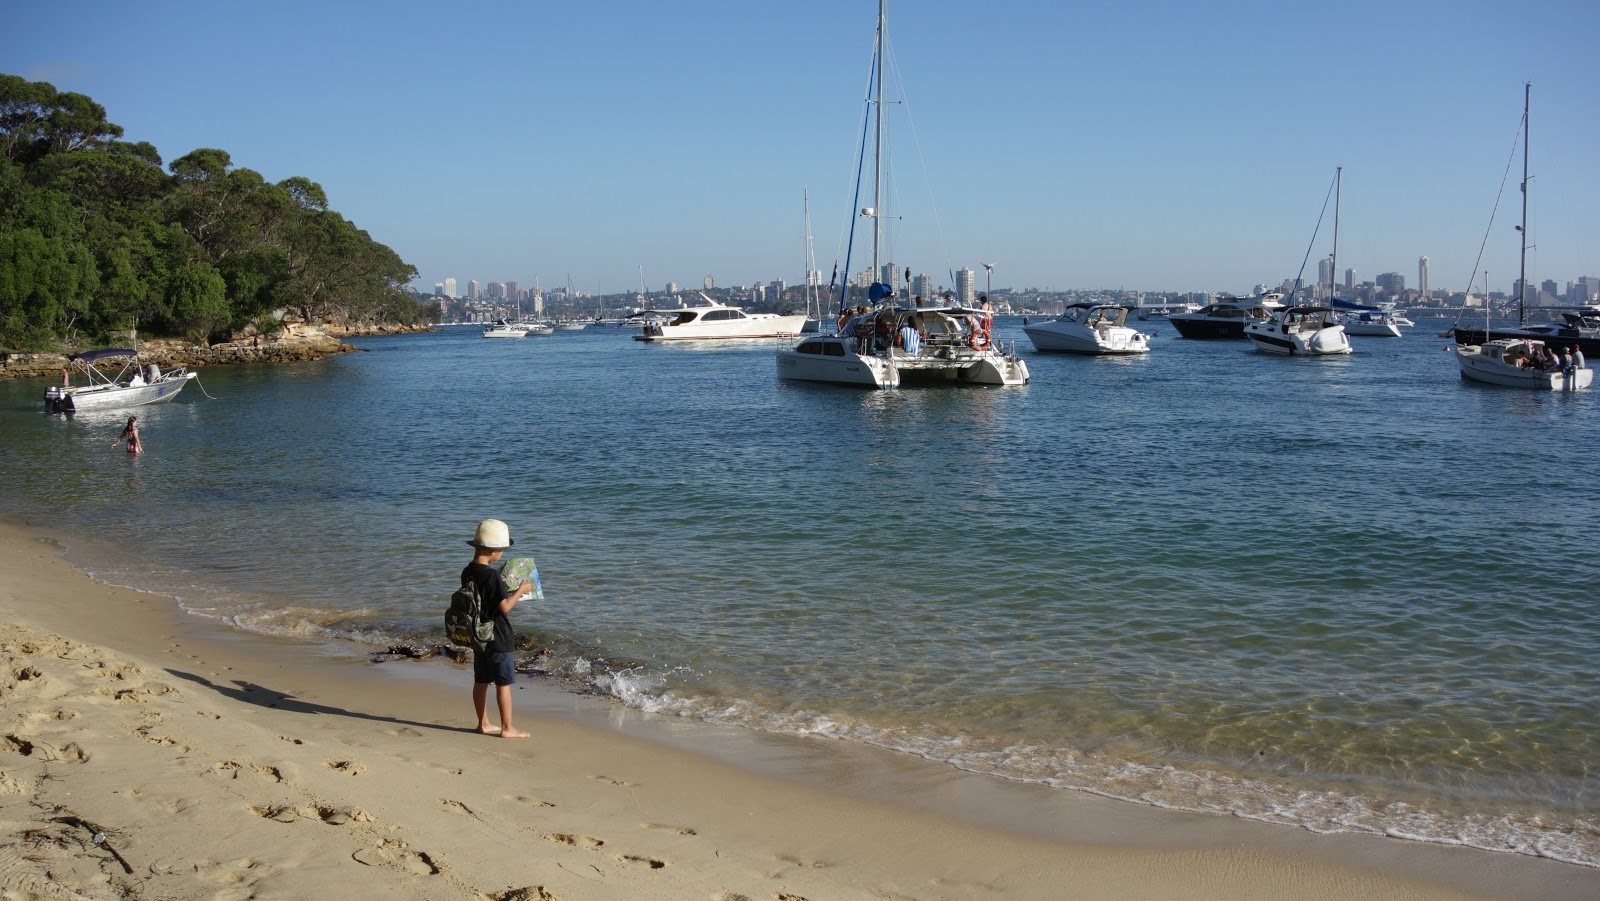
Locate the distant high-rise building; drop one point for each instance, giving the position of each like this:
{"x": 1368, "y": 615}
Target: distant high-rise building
{"x": 1588, "y": 289}
{"x": 1349, "y": 279}
{"x": 472, "y": 289}
{"x": 779, "y": 286}
{"x": 1423, "y": 283}
{"x": 438, "y": 289}
{"x": 1548, "y": 286}
{"x": 496, "y": 291}
{"x": 513, "y": 292}
{"x": 450, "y": 287}
{"x": 1325, "y": 275}
{"x": 966, "y": 286}
{"x": 672, "y": 287}
{"x": 710, "y": 283}
{"x": 814, "y": 278}
{"x": 922, "y": 285}
{"x": 1392, "y": 282}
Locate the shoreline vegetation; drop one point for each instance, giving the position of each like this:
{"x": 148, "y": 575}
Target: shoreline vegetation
{"x": 99, "y": 238}
{"x": 131, "y": 729}
{"x": 294, "y": 344}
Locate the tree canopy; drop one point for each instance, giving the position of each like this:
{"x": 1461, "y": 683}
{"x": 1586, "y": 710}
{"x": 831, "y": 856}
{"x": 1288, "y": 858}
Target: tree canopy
{"x": 96, "y": 236}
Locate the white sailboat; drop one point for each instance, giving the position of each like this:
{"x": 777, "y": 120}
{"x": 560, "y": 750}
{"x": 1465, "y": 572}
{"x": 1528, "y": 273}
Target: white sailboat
{"x": 887, "y": 346}
{"x": 1519, "y": 360}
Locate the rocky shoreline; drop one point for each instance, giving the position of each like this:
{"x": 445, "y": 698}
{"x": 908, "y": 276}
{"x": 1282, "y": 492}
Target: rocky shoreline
{"x": 298, "y": 343}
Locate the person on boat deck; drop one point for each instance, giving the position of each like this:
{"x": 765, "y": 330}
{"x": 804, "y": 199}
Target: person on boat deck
{"x": 883, "y": 334}
{"x": 844, "y": 316}
{"x": 137, "y": 381}
{"x": 986, "y": 314}
{"x": 130, "y": 432}
{"x": 909, "y": 338}
{"x": 1577, "y": 357}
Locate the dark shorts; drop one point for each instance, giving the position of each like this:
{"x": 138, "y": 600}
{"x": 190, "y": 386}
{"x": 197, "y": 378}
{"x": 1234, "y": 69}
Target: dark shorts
{"x": 493, "y": 666}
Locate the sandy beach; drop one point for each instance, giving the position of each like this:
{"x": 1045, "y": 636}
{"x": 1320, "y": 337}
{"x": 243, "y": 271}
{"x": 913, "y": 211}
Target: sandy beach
{"x": 150, "y": 753}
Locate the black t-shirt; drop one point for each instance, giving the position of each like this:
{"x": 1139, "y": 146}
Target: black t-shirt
{"x": 492, "y": 589}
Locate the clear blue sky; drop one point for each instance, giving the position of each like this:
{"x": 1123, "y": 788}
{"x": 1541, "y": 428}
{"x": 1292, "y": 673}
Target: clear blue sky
{"x": 1142, "y": 145}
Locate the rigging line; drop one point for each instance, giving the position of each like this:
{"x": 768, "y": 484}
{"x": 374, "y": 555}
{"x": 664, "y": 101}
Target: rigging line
{"x": 927, "y": 180}
{"x": 839, "y": 248}
{"x": 1521, "y": 123}
{"x": 861, "y": 158}
{"x": 1314, "y": 231}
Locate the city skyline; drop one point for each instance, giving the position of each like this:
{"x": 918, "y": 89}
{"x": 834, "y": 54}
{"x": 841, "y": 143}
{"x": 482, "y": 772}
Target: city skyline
{"x": 1148, "y": 147}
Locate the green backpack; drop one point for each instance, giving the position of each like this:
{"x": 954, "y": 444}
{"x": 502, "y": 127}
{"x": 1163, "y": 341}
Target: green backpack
{"x": 464, "y": 622}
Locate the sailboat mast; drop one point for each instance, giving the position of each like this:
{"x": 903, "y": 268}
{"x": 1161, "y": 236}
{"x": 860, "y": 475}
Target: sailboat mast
{"x": 1522, "y": 279}
{"x": 1333, "y": 263}
{"x": 877, "y": 149}
{"x": 809, "y": 262}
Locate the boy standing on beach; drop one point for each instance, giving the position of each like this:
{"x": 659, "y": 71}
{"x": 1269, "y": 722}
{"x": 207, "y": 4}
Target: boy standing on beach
{"x": 494, "y": 664}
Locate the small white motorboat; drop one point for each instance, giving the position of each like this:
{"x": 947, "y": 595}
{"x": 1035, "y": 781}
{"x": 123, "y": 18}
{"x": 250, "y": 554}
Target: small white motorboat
{"x": 1089, "y": 328}
{"x": 1371, "y": 323}
{"x": 132, "y": 386}
{"x": 503, "y": 329}
{"x": 1308, "y": 331}
{"x": 1523, "y": 363}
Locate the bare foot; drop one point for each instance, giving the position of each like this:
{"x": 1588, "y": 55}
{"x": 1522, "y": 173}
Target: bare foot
{"x": 513, "y": 733}
{"x": 488, "y": 730}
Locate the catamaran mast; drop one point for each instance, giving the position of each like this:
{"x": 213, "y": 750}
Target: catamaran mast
{"x": 1333, "y": 263}
{"x": 1522, "y": 279}
{"x": 877, "y": 149}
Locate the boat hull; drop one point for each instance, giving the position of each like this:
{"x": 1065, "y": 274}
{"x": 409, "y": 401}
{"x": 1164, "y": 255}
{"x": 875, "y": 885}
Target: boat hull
{"x": 1471, "y": 336}
{"x": 1372, "y": 329}
{"x": 106, "y": 397}
{"x": 773, "y": 327}
{"x": 1207, "y": 328}
{"x": 1052, "y": 337}
{"x": 1488, "y": 369}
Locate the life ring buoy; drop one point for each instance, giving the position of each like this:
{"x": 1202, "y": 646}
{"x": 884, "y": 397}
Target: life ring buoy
{"x": 979, "y": 340}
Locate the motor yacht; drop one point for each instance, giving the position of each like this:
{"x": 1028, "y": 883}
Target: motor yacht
{"x": 1309, "y": 331}
{"x": 1089, "y": 328}
{"x": 717, "y": 321}
{"x": 1227, "y": 317}
{"x": 503, "y": 329}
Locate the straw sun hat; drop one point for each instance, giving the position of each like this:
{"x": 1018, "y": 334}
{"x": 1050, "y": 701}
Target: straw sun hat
{"x": 492, "y": 536}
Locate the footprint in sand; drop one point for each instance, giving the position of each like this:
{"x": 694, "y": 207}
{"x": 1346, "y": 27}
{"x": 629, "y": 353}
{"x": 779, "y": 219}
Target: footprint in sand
{"x": 729, "y": 896}
{"x": 651, "y": 862}
{"x": 70, "y": 752}
{"x": 680, "y": 830}
{"x": 576, "y": 841}
{"x": 396, "y": 856}
{"x": 526, "y": 893}
{"x": 621, "y": 783}
{"x": 406, "y": 731}
{"x": 801, "y": 862}
{"x": 292, "y": 741}
{"x": 458, "y": 807}
{"x": 347, "y": 767}
{"x": 531, "y": 802}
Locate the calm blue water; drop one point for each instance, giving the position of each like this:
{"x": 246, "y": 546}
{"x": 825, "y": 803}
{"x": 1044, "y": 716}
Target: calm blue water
{"x": 1349, "y": 594}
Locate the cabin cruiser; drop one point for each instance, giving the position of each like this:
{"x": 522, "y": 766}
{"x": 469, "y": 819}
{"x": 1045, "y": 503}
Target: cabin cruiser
{"x": 503, "y": 329}
{"x": 132, "y": 386}
{"x": 716, "y": 321}
{"x": 1523, "y": 363}
{"x": 1307, "y": 331}
{"x": 953, "y": 346}
{"x": 1373, "y": 323}
{"x": 1227, "y": 317}
{"x": 1089, "y": 328}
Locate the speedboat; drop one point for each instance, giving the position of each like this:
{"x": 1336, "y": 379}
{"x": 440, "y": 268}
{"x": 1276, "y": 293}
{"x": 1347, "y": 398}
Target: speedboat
{"x": 1308, "y": 331}
{"x": 540, "y": 329}
{"x": 132, "y": 386}
{"x": 717, "y": 321}
{"x": 503, "y": 329}
{"x": 950, "y": 351}
{"x": 1227, "y": 317}
{"x": 1375, "y": 323}
{"x": 1522, "y": 363}
{"x": 1089, "y": 328}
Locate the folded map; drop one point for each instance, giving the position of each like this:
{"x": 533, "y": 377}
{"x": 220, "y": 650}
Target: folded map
{"x": 516, "y": 570}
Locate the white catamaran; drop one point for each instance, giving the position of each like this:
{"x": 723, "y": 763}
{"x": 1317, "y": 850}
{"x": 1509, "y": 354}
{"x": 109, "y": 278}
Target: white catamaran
{"x": 887, "y": 345}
